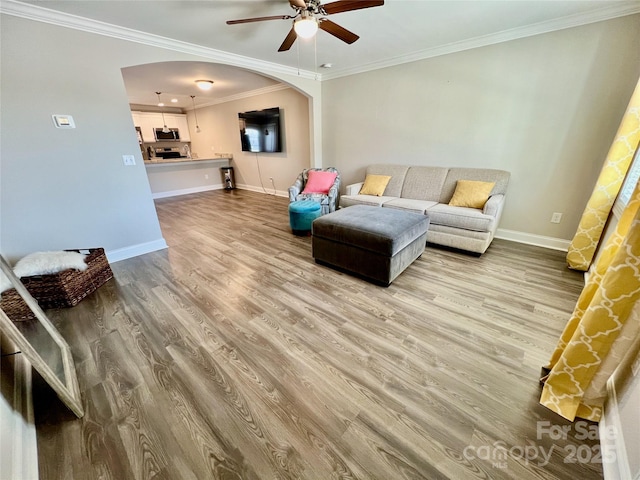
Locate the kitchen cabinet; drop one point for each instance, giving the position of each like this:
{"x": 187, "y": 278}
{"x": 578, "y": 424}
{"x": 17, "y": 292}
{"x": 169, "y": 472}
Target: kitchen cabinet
{"x": 148, "y": 121}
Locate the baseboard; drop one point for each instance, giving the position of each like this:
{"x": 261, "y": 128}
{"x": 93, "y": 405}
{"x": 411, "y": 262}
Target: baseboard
{"x": 186, "y": 191}
{"x": 532, "y": 239}
{"x": 135, "y": 250}
{"x": 251, "y": 188}
{"x": 240, "y": 186}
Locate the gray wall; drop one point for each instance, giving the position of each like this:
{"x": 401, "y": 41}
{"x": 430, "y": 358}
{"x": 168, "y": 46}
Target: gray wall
{"x": 69, "y": 188}
{"x": 545, "y": 108}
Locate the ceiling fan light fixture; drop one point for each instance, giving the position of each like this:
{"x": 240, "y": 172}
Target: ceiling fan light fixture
{"x": 306, "y": 27}
{"x": 204, "y": 84}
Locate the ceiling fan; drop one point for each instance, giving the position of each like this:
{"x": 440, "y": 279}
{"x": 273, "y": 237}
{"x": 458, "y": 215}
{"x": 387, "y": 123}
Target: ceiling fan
{"x": 310, "y": 16}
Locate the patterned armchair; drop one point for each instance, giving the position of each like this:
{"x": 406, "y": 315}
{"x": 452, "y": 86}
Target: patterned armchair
{"x": 328, "y": 201}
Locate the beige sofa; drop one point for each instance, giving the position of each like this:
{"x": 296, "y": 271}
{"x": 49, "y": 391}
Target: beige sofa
{"x": 423, "y": 189}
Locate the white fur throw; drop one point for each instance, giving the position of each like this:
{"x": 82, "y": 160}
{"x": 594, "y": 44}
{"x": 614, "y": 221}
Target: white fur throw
{"x": 44, "y": 263}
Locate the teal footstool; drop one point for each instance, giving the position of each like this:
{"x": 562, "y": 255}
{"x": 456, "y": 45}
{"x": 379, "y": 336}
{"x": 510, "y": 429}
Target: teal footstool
{"x": 302, "y": 213}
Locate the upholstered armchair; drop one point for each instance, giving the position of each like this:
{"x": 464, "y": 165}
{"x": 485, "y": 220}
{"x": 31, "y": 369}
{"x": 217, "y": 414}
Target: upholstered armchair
{"x": 322, "y": 188}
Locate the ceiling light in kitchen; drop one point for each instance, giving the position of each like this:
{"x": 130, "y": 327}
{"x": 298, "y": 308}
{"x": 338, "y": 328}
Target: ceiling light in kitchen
{"x": 174, "y": 100}
{"x": 204, "y": 84}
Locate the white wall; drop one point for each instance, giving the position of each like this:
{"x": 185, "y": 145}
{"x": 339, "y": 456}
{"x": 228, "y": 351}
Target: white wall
{"x": 69, "y": 188}
{"x": 545, "y": 108}
{"x": 220, "y": 133}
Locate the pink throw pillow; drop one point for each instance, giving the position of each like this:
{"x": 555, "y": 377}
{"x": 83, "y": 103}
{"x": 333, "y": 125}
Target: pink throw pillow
{"x": 319, "y": 182}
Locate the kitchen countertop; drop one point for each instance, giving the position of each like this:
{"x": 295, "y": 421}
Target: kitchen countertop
{"x": 185, "y": 160}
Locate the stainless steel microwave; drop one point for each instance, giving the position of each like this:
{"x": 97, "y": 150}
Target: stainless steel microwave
{"x": 173, "y": 135}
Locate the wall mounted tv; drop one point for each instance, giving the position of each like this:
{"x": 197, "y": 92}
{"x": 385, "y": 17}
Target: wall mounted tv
{"x": 260, "y": 130}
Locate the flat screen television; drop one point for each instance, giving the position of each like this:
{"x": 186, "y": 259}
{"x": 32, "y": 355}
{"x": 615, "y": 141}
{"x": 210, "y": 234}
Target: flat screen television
{"x": 260, "y": 130}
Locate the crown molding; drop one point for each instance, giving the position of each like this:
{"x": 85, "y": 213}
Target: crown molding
{"x": 41, "y": 14}
{"x": 241, "y": 95}
{"x": 607, "y": 12}
{"x": 53, "y": 17}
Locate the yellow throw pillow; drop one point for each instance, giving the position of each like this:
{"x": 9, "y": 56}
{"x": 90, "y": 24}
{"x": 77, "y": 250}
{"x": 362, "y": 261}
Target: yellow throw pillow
{"x": 470, "y": 193}
{"x": 375, "y": 185}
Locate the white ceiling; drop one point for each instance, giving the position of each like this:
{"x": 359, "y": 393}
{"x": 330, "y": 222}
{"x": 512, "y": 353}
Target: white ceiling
{"x": 399, "y": 31}
{"x": 176, "y": 80}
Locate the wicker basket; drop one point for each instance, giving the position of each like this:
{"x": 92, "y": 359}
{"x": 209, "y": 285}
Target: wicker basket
{"x": 14, "y": 306}
{"x": 67, "y": 288}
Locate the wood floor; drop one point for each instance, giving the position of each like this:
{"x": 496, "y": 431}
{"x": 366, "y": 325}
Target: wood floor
{"x": 232, "y": 355}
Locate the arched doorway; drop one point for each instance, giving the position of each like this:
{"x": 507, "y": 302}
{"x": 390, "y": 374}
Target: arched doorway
{"x": 215, "y": 113}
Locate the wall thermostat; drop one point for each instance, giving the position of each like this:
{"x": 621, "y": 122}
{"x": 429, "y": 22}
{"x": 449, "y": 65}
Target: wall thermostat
{"x": 63, "y": 121}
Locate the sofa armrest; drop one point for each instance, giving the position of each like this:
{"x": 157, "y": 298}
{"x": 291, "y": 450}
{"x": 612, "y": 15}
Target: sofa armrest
{"x": 353, "y": 189}
{"x": 493, "y": 205}
{"x": 296, "y": 188}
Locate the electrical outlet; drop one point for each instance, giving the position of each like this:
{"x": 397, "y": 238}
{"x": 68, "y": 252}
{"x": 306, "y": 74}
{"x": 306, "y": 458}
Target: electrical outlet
{"x": 206, "y": 176}
{"x": 128, "y": 160}
{"x": 556, "y": 217}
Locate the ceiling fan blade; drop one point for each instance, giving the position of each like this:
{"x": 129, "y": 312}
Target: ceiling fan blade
{"x": 297, "y": 3}
{"x": 348, "y": 5}
{"x": 338, "y": 31}
{"x": 288, "y": 41}
{"x": 259, "y": 19}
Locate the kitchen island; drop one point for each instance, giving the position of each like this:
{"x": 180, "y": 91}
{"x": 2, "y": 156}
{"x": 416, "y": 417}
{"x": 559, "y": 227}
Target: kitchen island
{"x": 169, "y": 177}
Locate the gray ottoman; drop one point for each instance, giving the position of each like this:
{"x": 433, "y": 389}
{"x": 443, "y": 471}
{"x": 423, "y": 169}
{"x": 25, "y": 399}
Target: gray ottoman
{"x": 373, "y": 242}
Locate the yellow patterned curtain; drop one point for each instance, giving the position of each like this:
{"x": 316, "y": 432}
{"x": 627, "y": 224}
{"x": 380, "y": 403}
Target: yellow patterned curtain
{"x": 601, "y": 326}
{"x": 585, "y": 242}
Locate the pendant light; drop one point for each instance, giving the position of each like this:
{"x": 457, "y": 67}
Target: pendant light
{"x": 194, "y": 113}
{"x": 165, "y": 129}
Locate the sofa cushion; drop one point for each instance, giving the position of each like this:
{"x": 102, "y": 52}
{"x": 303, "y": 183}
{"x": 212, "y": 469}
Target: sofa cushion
{"x": 375, "y": 185}
{"x": 397, "y": 174}
{"x": 351, "y": 200}
{"x": 416, "y": 206}
{"x": 471, "y": 193}
{"x": 455, "y": 232}
{"x": 500, "y": 177}
{"x": 424, "y": 183}
{"x": 461, "y": 217}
